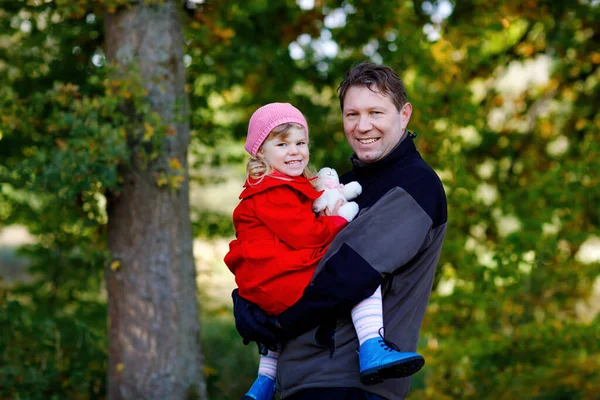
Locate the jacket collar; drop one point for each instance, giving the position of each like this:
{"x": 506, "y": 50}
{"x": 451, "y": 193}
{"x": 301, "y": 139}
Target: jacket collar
{"x": 403, "y": 150}
{"x": 275, "y": 179}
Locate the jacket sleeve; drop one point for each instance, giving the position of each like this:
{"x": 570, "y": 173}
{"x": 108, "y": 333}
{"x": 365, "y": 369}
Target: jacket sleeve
{"x": 380, "y": 241}
{"x": 291, "y": 219}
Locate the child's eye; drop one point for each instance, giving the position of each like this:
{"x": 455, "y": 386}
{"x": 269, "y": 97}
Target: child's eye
{"x": 301, "y": 143}
{"x": 281, "y": 145}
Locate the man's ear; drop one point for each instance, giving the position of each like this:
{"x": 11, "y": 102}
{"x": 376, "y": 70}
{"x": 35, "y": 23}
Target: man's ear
{"x": 405, "y": 114}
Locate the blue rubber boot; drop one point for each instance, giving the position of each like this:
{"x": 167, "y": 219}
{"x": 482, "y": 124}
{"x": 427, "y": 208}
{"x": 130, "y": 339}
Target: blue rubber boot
{"x": 381, "y": 360}
{"x": 263, "y": 388}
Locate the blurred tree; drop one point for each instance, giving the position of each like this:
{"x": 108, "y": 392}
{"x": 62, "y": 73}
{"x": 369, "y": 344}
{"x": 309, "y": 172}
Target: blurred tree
{"x": 154, "y": 349}
{"x": 96, "y": 167}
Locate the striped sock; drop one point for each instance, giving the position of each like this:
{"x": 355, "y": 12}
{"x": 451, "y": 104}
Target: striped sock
{"x": 367, "y": 317}
{"x": 267, "y": 365}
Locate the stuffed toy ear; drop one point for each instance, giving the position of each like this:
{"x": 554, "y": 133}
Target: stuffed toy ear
{"x": 322, "y": 176}
{"x": 328, "y": 174}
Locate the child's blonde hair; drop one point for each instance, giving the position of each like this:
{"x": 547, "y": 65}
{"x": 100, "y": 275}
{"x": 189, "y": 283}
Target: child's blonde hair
{"x": 257, "y": 167}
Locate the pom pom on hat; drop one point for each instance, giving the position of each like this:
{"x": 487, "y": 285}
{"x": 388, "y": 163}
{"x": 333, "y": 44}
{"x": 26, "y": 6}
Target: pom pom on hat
{"x": 268, "y": 117}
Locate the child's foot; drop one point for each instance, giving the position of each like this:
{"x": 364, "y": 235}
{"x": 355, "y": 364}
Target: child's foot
{"x": 263, "y": 388}
{"x": 380, "y": 360}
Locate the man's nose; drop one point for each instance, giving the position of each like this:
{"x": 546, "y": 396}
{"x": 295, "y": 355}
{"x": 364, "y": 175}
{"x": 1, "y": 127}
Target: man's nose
{"x": 364, "y": 125}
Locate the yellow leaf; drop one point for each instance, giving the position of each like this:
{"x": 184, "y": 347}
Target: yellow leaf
{"x": 209, "y": 371}
{"x": 120, "y": 367}
{"x": 170, "y": 131}
{"x": 148, "y": 131}
{"x": 228, "y": 33}
{"x": 570, "y": 94}
{"x": 553, "y": 84}
{"x": 525, "y": 49}
{"x": 176, "y": 181}
{"x": 225, "y": 34}
{"x": 546, "y": 129}
{"x": 115, "y": 265}
{"x": 174, "y": 164}
{"x": 61, "y": 143}
{"x": 161, "y": 180}
{"x": 442, "y": 51}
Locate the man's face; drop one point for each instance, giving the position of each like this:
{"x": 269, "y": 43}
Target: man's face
{"x": 372, "y": 124}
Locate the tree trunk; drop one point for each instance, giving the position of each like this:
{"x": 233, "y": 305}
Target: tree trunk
{"x": 154, "y": 332}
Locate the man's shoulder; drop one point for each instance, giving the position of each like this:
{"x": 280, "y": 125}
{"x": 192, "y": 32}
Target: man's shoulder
{"x": 418, "y": 170}
{"x": 421, "y": 181}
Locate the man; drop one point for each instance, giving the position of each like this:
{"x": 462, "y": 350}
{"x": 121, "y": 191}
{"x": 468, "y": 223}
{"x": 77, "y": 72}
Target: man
{"x": 395, "y": 242}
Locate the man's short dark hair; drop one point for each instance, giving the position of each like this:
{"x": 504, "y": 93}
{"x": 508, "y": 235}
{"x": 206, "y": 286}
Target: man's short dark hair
{"x": 377, "y": 78}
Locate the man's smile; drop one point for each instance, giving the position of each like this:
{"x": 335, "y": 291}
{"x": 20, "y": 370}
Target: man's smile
{"x": 368, "y": 141}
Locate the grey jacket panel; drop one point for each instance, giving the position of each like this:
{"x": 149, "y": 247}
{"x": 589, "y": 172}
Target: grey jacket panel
{"x": 396, "y": 222}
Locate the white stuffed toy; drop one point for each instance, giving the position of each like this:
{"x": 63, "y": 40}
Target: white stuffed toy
{"x": 333, "y": 190}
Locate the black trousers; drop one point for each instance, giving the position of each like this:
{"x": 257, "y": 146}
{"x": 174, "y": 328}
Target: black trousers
{"x": 334, "y": 394}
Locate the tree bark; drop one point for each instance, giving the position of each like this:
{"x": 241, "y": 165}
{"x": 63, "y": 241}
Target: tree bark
{"x": 154, "y": 331}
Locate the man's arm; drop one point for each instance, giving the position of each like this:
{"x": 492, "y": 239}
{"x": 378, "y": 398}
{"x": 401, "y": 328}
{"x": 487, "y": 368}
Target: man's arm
{"x": 381, "y": 240}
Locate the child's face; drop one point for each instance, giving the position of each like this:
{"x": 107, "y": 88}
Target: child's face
{"x": 287, "y": 154}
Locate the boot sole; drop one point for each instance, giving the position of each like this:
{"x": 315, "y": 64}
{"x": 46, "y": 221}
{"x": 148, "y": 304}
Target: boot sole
{"x": 400, "y": 369}
{"x": 246, "y": 397}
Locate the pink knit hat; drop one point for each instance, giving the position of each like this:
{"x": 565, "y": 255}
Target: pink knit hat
{"x": 268, "y": 117}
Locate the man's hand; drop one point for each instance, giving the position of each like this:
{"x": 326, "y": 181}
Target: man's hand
{"x": 336, "y": 209}
{"x": 254, "y": 325}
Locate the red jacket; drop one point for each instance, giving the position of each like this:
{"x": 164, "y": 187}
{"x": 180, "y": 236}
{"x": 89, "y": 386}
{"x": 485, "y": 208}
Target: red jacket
{"x": 279, "y": 240}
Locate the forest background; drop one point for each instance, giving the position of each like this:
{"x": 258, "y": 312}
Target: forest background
{"x": 505, "y": 98}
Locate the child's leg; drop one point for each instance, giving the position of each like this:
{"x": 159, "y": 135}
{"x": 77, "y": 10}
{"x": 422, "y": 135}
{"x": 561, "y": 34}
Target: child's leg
{"x": 267, "y": 365}
{"x": 367, "y": 317}
{"x": 263, "y": 387}
{"x": 379, "y": 358}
